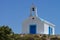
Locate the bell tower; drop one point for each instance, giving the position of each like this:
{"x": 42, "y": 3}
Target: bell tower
{"x": 33, "y": 10}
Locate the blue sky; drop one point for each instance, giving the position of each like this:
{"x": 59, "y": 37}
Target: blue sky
{"x": 13, "y": 12}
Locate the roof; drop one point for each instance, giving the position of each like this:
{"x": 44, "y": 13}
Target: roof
{"x": 46, "y": 22}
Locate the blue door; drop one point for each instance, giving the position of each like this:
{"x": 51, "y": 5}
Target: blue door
{"x": 50, "y": 31}
{"x": 32, "y": 29}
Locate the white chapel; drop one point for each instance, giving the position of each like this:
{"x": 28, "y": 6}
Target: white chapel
{"x": 35, "y": 25}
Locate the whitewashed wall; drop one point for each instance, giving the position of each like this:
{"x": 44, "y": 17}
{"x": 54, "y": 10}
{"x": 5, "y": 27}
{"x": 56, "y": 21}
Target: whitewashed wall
{"x": 37, "y": 21}
{"x": 46, "y": 28}
{"x": 46, "y": 31}
{"x": 42, "y": 27}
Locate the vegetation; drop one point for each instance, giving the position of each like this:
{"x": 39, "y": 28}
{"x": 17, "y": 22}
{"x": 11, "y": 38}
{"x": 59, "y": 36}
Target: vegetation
{"x": 6, "y": 33}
